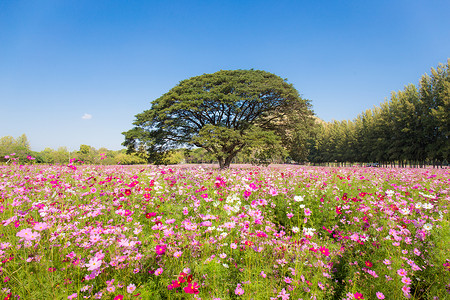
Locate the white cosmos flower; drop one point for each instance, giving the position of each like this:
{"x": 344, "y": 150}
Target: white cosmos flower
{"x": 298, "y": 198}
{"x": 295, "y": 229}
{"x": 427, "y": 226}
{"x": 428, "y": 206}
{"x": 404, "y": 211}
{"x": 309, "y": 231}
{"x": 425, "y": 195}
{"x": 418, "y": 205}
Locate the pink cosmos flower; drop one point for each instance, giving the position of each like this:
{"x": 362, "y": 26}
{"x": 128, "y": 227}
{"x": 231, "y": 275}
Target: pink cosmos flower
{"x": 24, "y": 233}
{"x": 239, "y": 290}
{"x": 402, "y": 272}
{"x": 159, "y": 271}
{"x": 380, "y": 295}
{"x": 40, "y": 226}
{"x": 94, "y": 264}
{"x": 73, "y": 296}
{"x": 283, "y": 295}
{"x": 118, "y": 297}
{"x": 111, "y": 288}
{"x": 34, "y": 236}
{"x": 130, "y": 288}
{"x": 406, "y": 280}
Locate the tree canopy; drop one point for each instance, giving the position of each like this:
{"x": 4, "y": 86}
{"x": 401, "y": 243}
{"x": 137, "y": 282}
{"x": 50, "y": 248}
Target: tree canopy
{"x": 225, "y": 113}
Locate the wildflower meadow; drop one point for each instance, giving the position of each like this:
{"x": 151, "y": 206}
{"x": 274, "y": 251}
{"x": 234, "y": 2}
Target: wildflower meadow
{"x": 194, "y": 232}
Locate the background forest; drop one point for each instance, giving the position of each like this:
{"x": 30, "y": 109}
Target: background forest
{"x": 410, "y": 128}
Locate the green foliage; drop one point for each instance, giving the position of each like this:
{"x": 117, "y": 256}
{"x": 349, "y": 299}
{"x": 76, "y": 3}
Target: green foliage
{"x": 20, "y": 147}
{"x": 412, "y": 126}
{"x": 128, "y": 159}
{"x": 224, "y": 113}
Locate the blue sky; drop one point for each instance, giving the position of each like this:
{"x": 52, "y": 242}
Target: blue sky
{"x": 76, "y": 72}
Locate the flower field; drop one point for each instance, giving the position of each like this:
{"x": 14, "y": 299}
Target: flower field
{"x": 191, "y": 232}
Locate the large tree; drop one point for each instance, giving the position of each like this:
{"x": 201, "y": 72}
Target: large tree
{"x": 225, "y": 113}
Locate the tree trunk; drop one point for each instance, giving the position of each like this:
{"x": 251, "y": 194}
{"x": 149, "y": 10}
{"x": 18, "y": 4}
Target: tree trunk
{"x": 225, "y": 164}
{"x": 221, "y": 163}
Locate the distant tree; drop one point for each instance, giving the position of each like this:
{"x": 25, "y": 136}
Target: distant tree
{"x": 223, "y": 112}
{"x": 123, "y": 158}
{"x": 22, "y": 142}
{"x": 87, "y": 154}
{"x": 47, "y": 155}
{"x": 20, "y": 147}
{"x": 435, "y": 109}
{"x": 7, "y": 144}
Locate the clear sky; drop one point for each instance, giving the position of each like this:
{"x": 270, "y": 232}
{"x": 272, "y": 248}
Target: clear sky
{"x": 76, "y": 72}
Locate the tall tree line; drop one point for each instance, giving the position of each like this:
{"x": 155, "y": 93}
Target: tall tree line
{"x": 410, "y": 128}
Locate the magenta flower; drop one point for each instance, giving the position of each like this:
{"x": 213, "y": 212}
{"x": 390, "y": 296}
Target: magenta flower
{"x": 160, "y": 249}
{"x": 192, "y": 288}
{"x": 324, "y": 251}
{"x": 358, "y": 296}
{"x": 175, "y": 284}
{"x": 380, "y": 295}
